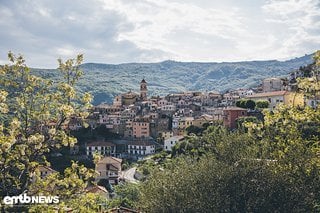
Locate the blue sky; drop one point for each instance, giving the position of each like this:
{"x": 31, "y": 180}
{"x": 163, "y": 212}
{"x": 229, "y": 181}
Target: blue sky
{"x": 121, "y": 31}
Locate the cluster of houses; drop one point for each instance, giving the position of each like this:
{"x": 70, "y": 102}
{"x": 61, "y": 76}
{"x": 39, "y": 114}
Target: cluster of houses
{"x": 144, "y": 123}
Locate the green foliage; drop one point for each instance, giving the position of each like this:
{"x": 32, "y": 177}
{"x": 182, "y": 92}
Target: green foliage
{"x": 244, "y": 103}
{"x": 250, "y": 104}
{"x": 208, "y": 185}
{"x": 70, "y": 187}
{"x": 194, "y": 130}
{"x": 234, "y": 175}
{"x": 262, "y": 104}
{"x": 241, "y": 121}
{"x": 35, "y": 115}
{"x": 241, "y": 103}
{"x": 127, "y": 195}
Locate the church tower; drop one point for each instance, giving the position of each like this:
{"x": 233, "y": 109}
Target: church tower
{"x": 143, "y": 90}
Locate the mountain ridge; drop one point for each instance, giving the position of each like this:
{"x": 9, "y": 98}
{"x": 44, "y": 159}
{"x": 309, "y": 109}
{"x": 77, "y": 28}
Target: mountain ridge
{"x": 105, "y": 81}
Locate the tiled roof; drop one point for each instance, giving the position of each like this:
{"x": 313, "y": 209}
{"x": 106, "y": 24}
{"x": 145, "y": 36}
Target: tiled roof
{"x": 97, "y": 188}
{"x": 100, "y": 143}
{"x": 141, "y": 143}
{"x": 110, "y": 160}
{"x": 235, "y": 109}
{"x": 268, "y": 94}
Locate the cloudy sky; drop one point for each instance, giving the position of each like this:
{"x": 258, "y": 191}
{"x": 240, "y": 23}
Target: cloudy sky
{"x": 120, "y": 31}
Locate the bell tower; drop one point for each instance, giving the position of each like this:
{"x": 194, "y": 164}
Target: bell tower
{"x": 143, "y": 90}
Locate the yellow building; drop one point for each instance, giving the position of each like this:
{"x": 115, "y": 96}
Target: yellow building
{"x": 277, "y": 97}
{"x": 198, "y": 122}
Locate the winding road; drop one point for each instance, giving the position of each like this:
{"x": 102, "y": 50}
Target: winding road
{"x": 128, "y": 175}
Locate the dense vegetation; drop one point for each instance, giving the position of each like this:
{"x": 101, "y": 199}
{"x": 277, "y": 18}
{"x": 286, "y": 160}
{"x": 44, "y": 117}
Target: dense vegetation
{"x": 35, "y": 114}
{"x": 105, "y": 81}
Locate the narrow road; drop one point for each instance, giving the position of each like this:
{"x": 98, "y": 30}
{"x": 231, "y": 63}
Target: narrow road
{"x": 128, "y": 175}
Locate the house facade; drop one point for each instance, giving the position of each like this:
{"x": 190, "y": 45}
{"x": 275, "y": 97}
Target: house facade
{"x": 231, "y": 114}
{"x": 141, "y": 129}
{"x": 278, "y": 97}
{"x": 109, "y": 168}
{"x": 140, "y": 147}
{"x": 101, "y": 147}
{"x": 170, "y": 142}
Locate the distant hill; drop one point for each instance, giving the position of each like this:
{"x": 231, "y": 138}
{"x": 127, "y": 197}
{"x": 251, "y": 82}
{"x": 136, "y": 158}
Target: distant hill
{"x": 105, "y": 81}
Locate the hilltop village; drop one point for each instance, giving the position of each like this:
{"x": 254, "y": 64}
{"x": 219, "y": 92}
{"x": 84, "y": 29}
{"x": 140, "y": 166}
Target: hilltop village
{"x": 146, "y": 125}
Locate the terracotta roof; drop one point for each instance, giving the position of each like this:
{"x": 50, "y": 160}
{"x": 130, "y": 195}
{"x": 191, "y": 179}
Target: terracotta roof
{"x": 110, "y": 160}
{"x": 97, "y": 188}
{"x": 141, "y": 143}
{"x": 267, "y": 94}
{"x": 235, "y": 109}
{"x": 100, "y": 143}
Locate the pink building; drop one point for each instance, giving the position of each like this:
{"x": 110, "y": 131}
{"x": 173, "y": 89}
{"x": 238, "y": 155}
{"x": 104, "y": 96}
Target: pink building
{"x": 141, "y": 129}
{"x": 231, "y": 114}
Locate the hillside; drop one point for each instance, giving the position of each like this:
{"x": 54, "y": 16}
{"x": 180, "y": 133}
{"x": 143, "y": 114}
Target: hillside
{"x": 106, "y": 80}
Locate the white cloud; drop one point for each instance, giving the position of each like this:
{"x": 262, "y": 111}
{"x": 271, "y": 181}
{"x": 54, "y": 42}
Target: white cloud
{"x": 298, "y": 21}
{"x": 116, "y": 31}
{"x": 175, "y": 27}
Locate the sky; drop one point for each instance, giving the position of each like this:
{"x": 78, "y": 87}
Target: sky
{"x": 123, "y": 31}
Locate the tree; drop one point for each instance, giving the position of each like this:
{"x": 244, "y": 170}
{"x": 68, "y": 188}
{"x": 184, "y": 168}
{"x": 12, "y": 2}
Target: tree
{"x": 127, "y": 195}
{"x": 35, "y": 114}
{"x": 262, "y": 104}
{"x": 194, "y": 129}
{"x": 241, "y": 103}
{"x": 250, "y": 104}
{"x": 241, "y": 121}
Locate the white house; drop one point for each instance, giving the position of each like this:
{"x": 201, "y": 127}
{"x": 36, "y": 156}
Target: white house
{"x": 140, "y": 147}
{"x": 170, "y": 142}
{"x": 101, "y": 147}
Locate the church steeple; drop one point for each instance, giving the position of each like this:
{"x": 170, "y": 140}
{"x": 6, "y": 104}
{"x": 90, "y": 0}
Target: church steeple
{"x": 143, "y": 90}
